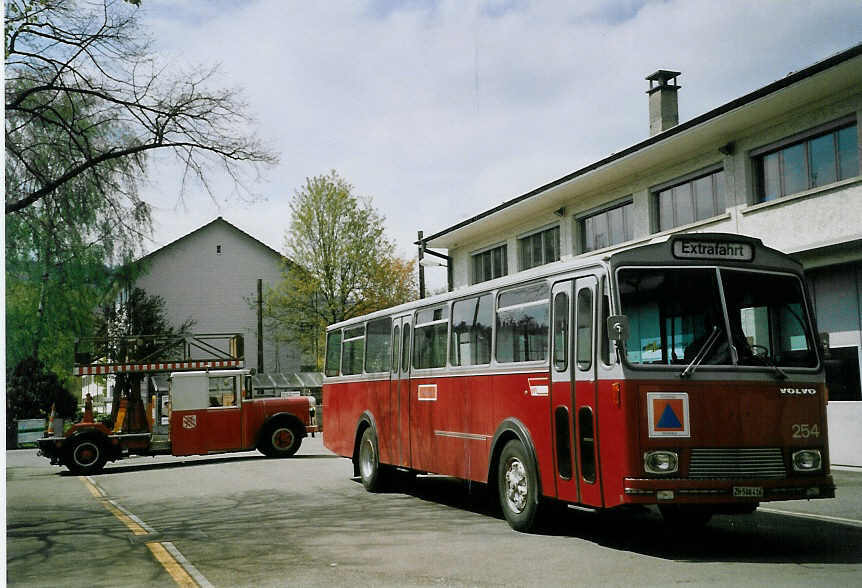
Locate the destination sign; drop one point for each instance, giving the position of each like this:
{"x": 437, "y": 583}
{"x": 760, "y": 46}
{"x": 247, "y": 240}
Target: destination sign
{"x": 701, "y": 249}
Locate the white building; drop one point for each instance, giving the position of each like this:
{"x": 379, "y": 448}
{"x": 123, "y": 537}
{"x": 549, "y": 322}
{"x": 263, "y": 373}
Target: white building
{"x": 211, "y": 276}
{"x": 781, "y": 164}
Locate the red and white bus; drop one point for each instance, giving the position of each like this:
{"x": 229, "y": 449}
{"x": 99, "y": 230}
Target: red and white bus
{"x": 685, "y": 373}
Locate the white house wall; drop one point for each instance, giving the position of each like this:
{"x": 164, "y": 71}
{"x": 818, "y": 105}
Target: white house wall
{"x": 218, "y": 290}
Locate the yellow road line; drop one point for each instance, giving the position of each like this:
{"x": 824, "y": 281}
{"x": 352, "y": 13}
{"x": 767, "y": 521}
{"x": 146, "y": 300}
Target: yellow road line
{"x": 172, "y": 566}
{"x": 162, "y": 555}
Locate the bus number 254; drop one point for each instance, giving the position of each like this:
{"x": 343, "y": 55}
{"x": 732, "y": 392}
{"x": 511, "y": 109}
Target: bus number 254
{"x": 805, "y": 431}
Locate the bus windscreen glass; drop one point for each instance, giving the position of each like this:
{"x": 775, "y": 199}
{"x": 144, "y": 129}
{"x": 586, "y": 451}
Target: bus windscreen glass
{"x": 673, "y": 311}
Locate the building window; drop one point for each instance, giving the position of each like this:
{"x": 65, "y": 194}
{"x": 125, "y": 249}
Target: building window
{"x": 608, "y": 227}
{"x": 691, "y": 200}
{"x": 539, "y": 248}
{"x": 218, "y": 249}
{"x": 490, "y": 264}
{"x": 809, "y": 163}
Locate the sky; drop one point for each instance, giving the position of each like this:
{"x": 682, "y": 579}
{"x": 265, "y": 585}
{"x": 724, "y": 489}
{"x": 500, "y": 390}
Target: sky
{"x": 439, "y": 110}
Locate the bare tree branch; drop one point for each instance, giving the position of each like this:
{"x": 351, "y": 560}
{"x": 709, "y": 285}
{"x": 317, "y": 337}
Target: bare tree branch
{"x": 84, "y": 69}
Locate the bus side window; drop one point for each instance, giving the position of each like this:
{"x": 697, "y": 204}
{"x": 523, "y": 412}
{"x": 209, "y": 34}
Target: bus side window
{"x": 561, "y": 332}
{"x": 396, "y": 348}
{"x": 353, "y": 351}
{"x": 378, "y": 335}
{"x": 471, "y": 331}
{"x": 430, "y": 335}
{"x": 405, "y": 348}
{"x": 333, "y": 353}
{"x": 585, "y": 329}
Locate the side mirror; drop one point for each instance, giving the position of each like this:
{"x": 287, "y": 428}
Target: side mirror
{"x": 618, "y": 328}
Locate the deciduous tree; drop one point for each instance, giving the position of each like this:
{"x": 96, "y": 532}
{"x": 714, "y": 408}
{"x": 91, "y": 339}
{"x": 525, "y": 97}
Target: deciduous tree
{"x": 341, "y": 264}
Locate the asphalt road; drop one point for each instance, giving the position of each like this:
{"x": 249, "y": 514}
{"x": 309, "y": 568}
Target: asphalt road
{"x": 244, "y": 520}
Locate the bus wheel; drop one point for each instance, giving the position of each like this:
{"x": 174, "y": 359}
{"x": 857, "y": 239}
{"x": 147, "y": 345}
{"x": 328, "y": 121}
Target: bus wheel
{"x": 86, "y": 456}
{"x": 369, "y": 461}
{"x": 280, "y": 440}
{"x": 689, "y": 516}
{"x": 517, "y": 486}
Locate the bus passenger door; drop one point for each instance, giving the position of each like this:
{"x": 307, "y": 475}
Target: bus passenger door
{"x": 562, "y": 393}
{"x": 399, "y": 392}
{"x": 584, "y": 370}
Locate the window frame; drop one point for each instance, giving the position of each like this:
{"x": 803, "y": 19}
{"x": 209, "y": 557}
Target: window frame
{"x": 444, "y": 320}
{"x": 503, "y": 245}
{"x": 689, "y": 178}
{"x": 545, "y": 300}
{"x": 803, "y": 138}
{"x": 388, "y": 338}
{"x": 581, "y": 218}
{"x": 344, "y": 340}
{"x": 541, "y": 231}
{"x": 475, "y": 298}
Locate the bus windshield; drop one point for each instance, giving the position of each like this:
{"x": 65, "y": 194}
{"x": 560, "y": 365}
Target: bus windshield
{"x": 673, "y": 311}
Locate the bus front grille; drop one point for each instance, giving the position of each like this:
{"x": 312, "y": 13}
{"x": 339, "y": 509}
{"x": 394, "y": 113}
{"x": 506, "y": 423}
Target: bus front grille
{"x": 737, "y": 463}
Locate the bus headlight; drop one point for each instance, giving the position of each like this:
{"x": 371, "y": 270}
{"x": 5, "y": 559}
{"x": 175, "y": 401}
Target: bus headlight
{"x": 807, "y": 460}
{"x": 661, "y": 462}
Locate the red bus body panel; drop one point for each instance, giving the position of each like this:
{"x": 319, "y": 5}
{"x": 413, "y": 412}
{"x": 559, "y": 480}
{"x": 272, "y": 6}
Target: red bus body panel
{"x": 454, "y": 423}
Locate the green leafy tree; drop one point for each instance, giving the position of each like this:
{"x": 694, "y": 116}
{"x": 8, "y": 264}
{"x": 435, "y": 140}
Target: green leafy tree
{"x": 31, "y": 392}
{"x": 86, "y": 102}
{"x": 341, "y": 264}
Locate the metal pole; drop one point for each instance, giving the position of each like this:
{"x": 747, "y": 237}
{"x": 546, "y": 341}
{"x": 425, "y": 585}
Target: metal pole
{"x": 259, "y": 326}
{"x": 421, "y": 267}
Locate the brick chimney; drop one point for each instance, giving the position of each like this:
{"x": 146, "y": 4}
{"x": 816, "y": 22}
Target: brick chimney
{"x": 663, "y": 107}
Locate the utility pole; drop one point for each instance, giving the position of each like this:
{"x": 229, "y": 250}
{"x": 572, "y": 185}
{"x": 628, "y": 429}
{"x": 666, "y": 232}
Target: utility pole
{"x": 259, "y": 326}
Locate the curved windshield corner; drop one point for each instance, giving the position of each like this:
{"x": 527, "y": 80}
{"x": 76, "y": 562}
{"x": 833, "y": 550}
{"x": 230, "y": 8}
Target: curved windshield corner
{"x": 756, "y": 318}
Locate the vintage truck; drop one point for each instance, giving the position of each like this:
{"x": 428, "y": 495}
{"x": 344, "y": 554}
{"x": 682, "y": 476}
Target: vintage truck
{"x": 204, "y": 411}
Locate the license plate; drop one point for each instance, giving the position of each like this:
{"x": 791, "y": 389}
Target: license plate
{"x": 748, "y": 491}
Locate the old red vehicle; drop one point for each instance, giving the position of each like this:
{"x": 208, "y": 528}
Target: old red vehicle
{"x": 205, "y": 410}
{"x": 685, "y": 374}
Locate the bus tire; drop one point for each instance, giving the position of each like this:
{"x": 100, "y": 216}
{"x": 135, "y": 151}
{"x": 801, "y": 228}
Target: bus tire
{"x": 86, "y": 456}
{"x": 685, "y": 516}
{"x": 368, "y": 456}
{"x": 518, "y": 487}
{"x": 280, "y": 439}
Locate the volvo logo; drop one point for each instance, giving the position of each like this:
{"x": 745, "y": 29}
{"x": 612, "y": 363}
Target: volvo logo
{"x": 798, "y": 391}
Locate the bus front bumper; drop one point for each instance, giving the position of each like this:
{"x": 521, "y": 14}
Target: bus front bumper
{"x": 680, "y": 491}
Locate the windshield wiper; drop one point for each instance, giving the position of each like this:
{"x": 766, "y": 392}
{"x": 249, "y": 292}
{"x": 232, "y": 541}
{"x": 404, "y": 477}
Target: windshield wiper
{"x": 702, "y": 353}
{"x": 780, "y": 374}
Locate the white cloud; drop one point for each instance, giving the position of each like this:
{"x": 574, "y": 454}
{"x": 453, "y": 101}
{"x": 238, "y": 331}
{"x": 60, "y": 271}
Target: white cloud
{"x": 439, "y": 110}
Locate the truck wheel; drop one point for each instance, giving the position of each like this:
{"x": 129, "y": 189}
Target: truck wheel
{"x": 280, "y": 440}
{"x": 370, "y": 470}
{"x": 518, "y": 487}
{"x": 86, "y": 456}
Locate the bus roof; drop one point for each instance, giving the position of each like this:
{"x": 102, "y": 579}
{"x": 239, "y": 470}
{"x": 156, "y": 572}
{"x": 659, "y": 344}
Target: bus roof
{"x": 644, "y": 252}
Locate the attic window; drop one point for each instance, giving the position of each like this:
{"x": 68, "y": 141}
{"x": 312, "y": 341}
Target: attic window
{"x": 218, "y": 249}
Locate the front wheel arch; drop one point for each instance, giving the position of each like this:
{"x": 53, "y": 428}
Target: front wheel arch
{"x": 509, "y": 429}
